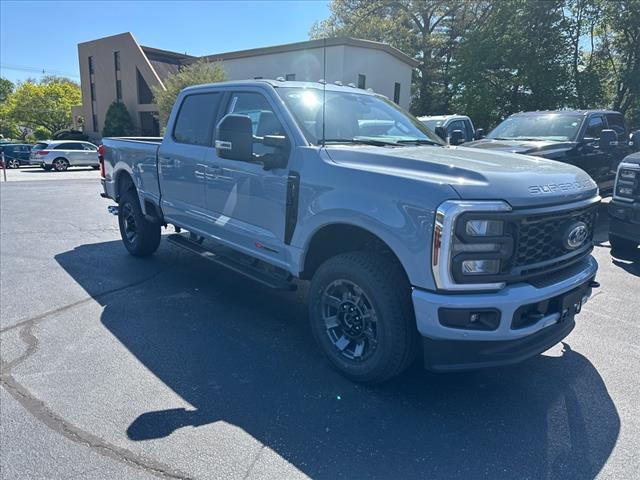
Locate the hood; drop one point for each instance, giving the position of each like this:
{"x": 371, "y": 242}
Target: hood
{"x": 633, "y": 158}
{"x": 539, "y": 148}
{"x": 476, "y": 174}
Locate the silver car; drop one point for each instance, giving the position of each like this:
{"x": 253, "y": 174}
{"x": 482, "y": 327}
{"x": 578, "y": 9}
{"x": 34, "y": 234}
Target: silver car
{"x": 62, "y": 154}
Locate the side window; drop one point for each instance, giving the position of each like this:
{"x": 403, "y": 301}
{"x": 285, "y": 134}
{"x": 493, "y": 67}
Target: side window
{"x": 455, "y": 125}
{"x": 194, "y": 124}
{"x": 63, "y": 146}
{"x": 89, "y": 147}
{"x": 263, "y": 119}
{"x": 594, "y": 127}
{"x": 616, "y": 123}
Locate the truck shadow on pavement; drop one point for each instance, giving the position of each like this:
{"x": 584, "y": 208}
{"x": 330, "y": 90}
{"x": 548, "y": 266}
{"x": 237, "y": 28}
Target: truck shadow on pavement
{"x": 242, "y": 354}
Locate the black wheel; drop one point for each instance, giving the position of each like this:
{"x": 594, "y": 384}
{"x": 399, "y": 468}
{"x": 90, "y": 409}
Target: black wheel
{"x": 140, "y": 236}
{"x": 46, "y": 168}
{"x": 622, "y": 244}
{"x": 13, "y": 163}
{"x": 60, "y": 164}
{"x": 95, "y": 167}
{"x": 362, "y": 317}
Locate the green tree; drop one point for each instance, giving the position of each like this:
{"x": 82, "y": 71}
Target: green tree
{"x": 45, "y": 104}
{"x": 517, "y": 59}
{"x": 7, "y": 127}
{"x": 197, "y": 73}
{"x": 6, "y": 88}
{"x": 117, "y": 121}
{"x": 428, "y": 30}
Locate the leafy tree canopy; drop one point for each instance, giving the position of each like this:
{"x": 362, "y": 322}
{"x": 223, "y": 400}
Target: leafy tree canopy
{"x": 197, "y": 73}
{"x": 117, "y": 121}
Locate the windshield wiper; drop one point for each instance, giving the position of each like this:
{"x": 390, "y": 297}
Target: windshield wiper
{"x": 420, "y": 141}
{"x": 360, "y": 141}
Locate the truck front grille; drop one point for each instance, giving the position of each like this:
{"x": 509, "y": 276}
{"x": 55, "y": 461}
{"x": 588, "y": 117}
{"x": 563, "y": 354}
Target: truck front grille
{"x": 540, "y": 241}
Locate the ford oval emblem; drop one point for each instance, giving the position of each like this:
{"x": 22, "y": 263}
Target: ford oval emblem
{"x": 576, "y": 235}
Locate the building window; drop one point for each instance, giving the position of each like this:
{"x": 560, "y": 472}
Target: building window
{"x": 95, "y": 122}
{"x": 290, "y": 77}
{"x": 145, "y": 95}
{"x": 116, "y": 60}
{"x": 119, "y": 90}
{"x": 396, "y": 93}
{"x": 362, "y": 81}
{"x": 90, "y": 65}
{"x": 93, "y": 92}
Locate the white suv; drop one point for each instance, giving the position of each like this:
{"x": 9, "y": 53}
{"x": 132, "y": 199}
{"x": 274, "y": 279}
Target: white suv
{"x": 62, "y": 154}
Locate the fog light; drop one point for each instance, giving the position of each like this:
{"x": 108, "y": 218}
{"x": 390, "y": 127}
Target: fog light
{"x": 622, "y": 190}
{"x": 479, "y": 228}
{"x": 480, "y": 267}
{"x": 486, "y": 319}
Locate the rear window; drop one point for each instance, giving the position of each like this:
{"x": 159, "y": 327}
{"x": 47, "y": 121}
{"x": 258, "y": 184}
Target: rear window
{"x": 194, "y": 124}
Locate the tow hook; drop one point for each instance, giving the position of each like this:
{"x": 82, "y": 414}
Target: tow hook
{"x": 113, "y": 209}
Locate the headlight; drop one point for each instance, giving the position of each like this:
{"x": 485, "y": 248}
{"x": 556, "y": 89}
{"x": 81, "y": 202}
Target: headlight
{"x": 477, "y": 228}
{"x": 480, "y": 267}
{"x": 626, "y": 174}
{"x": 469, "y": 245}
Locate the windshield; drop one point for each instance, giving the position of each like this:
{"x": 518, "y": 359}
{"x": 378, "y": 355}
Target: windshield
{"x": 547, "y": 126}
{"x": 352, "y": 117}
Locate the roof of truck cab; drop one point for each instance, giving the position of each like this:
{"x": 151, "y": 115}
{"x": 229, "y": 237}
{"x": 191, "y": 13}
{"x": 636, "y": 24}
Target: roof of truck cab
{"x": 569, "y": 112}
{"x": 332, "y": 87}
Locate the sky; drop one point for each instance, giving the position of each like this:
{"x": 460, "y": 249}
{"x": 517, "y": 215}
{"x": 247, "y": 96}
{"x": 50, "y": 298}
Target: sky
{"x": 43, "y": 35}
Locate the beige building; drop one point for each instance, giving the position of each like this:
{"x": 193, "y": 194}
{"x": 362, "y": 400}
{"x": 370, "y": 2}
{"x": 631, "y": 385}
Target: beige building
{"x": 117, "y": 68}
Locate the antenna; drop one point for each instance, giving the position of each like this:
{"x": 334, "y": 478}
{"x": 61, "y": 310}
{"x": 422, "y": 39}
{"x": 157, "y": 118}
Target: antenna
{"x": 324, "y": 84}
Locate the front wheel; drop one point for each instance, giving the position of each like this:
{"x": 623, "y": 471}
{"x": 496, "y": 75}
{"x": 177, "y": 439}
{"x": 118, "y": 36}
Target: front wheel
{"x": 621, "y": 244}
{"x": 362, "y": 316}
{"x": 13, "y": 163}
{"x": 140, "y": 236}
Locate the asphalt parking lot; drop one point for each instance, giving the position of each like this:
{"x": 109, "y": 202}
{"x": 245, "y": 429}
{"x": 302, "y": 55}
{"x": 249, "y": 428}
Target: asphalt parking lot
{"x": 117, "y": 367}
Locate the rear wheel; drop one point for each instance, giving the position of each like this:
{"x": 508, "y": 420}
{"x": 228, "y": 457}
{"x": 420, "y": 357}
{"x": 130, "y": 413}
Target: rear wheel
{"x": 362, "y": 317}
{"x": 140, "y": 236}
{"x": 622, "y": 244}
{"x": 60, "y": 164}
{"x": 13, "y": 163}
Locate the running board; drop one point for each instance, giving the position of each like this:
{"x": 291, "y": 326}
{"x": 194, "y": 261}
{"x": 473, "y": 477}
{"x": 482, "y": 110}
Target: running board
{"x": 260, "y": 275}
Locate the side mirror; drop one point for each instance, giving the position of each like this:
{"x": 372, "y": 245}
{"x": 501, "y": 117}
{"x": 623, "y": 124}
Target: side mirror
{"x": 456, "y": 138}
{"x": 234, "y": 138}
{"x": 442, "y": 133}
{"x": 634, "y": 142}
{"x": 608, "y": 138}
{"x": 479, "y": 134}
{"x": 275, "y": 141}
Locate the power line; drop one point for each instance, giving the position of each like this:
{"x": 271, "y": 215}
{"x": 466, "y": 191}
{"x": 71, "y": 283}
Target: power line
{"x": 42, "y": 71}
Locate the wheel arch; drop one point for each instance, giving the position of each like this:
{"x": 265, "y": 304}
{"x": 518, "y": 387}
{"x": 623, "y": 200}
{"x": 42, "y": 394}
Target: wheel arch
{"x": 340, "y": 237}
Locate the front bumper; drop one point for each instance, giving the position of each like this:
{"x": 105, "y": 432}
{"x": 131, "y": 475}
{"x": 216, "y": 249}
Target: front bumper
{"x": 448, "y": 348}
{"x": 624, "y": 220}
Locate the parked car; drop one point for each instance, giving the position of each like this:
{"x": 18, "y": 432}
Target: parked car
{"x": 445, "y": 125}
{"x": 624, "y": 209}
{"x": 403, "y": 238}
{"x": 61, "y": 154}
{"x": 16, "y": 154}
{"x": 594, "y": 140}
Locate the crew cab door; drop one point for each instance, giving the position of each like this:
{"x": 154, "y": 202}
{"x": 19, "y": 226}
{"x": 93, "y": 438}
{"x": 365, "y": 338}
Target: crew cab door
{"x": 247, "y": 202}
{"x": 181, "y": 167}
{"x": 592, "y": 159}
{"x": 615, "y": 122}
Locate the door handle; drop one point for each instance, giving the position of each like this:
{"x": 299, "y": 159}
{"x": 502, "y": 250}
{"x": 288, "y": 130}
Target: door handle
{"x": 214, "y": 170}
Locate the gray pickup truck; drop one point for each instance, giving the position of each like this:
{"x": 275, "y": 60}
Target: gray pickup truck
{"x": 474, "y": 258}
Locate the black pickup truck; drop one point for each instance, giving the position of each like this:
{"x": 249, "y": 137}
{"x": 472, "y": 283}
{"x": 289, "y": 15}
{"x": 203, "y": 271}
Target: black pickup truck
{"x": 593, "y": 140}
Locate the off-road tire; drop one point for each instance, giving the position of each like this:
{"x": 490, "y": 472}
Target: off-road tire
{"x": 385, "y": 285}
{"x": 147, "y": 234}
